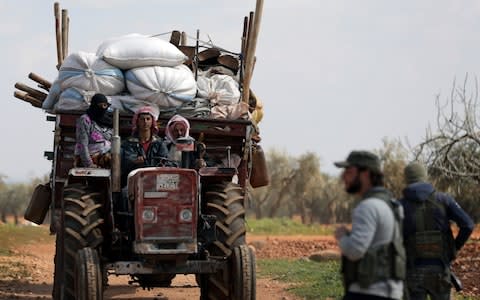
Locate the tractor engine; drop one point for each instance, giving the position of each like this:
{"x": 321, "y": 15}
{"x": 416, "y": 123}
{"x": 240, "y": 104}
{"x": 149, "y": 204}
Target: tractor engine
{"x": 165, "y": 209}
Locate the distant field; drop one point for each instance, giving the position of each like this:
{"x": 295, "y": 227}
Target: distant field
{"x": 12, "y": 266}
{"x": 285, "y": 226}
{"x": 13, "y": 236}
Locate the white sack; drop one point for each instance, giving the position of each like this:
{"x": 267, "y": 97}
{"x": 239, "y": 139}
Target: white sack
{"x": 52, "y": 96}
{"x": 73, "y": 99}
{"x": 87, "y": 72}
{"x": 128, "y": 104}
{"x": 135, "y": 50}
{"x": 219, "y": 89}
{"x": 163, "y": 86}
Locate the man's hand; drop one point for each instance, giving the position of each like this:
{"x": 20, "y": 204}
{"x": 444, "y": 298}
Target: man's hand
{"x": 139, "y": 160}
{"x": 340, "y": 232}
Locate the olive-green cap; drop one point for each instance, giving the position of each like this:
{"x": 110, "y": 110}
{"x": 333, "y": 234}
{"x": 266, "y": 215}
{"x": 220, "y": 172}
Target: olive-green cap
{"x": 415, "y": 172}
{"x": 362, "y": 159}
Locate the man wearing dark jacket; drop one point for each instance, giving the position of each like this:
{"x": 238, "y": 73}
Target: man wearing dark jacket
{"x": 429, "y": 241}
{"x": 144, "y": 148}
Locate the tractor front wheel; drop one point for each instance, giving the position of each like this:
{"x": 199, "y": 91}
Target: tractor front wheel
{"x": 236, "y": 281}
{"x": 88, "y": 275}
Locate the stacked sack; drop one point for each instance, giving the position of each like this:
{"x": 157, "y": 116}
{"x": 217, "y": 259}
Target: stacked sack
{"x": 132, "y": 70}
{"x": 82, "y": 75}
{"x": 136, "y": 70}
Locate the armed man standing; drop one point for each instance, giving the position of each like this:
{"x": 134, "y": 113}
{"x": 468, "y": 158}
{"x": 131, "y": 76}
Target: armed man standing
{"x": 429, "y": 241}
{"x": 373, "y": 256}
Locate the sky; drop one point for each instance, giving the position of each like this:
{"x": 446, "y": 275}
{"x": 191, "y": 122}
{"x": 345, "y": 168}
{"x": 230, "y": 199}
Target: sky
{"x": 333, "y": 75}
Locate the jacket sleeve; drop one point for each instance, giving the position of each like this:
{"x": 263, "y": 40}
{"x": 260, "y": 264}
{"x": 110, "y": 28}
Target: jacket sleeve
{"x": 364, "y": 223}
{"x": 82, "y": 139}
{"x": 129, "y": 153}
{"x": 461, "y": 218}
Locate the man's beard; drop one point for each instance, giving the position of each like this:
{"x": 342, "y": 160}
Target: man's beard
{"x": 355, "y": 186}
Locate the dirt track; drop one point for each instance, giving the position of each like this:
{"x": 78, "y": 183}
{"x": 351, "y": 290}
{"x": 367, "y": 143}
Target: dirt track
{"x": 38, "y": 286}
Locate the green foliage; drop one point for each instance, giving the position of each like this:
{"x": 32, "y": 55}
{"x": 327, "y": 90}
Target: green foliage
{"x": 14, "y": 197}
{"x": 394, "y": 157}
{"x": 286, "y": 226}
{"x": 308, "y": 279}
{"x": 14, "y": 236}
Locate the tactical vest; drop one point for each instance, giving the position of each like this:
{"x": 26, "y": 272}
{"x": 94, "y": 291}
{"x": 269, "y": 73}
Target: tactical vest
{"x": 383, "y": 262}
{"x": 428, "y": 241}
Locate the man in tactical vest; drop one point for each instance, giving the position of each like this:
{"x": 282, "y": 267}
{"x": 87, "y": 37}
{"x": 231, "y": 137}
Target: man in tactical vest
{"x": 373, "y": 256}
{"x": 429, "y": 241}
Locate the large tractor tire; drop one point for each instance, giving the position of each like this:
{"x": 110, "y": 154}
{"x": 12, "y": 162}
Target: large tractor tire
{"x": 225, "y": 201}
{"x": 88, "y": 275}
{"x": 235, "y": 281}
{"x": 243, "y": 273}
{"x": 81, "y": 229}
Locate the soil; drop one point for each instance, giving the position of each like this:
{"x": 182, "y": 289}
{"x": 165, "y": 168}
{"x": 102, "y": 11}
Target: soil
{"x": 39, "y": 284}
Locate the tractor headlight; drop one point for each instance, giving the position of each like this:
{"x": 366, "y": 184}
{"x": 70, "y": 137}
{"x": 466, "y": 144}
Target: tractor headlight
{"x": 186, "y": 215}
{"x": 149, "y": 214}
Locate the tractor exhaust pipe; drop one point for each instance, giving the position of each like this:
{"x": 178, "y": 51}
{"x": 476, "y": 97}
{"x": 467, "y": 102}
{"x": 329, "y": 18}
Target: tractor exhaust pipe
{"x": 116, "y": 152}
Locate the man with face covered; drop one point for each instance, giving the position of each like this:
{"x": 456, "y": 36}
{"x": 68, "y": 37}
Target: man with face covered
{"x": 373, "y": 256}
{"x": 93, "y": 135}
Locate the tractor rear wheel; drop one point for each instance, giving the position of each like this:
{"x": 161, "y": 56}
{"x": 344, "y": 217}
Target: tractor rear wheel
{"x": 82, "y": 223}
{"x": 225, "y": 201}
{"x": 88, "y": 275}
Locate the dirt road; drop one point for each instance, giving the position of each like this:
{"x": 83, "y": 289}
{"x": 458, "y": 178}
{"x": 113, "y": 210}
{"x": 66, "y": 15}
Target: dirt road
{"x": 39, "y": 284}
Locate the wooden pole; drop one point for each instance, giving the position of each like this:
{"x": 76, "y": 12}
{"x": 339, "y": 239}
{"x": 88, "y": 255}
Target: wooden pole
{"x": 251, "y": 47}
{"x": 195, "y": 58}
{"x": 184, "y": 39}
{"x": 244, "y": 35}
{"x": 68, "y": 36}
{"x": 248, "y": 37}
{"x": 243, "y": 50}
{"x": 33, "y": 92}
{"x": 64, "y": 33}
{"x": 27, "y": 98}
{"x": 37, "y": 78}
{"x": 58, "y": 34}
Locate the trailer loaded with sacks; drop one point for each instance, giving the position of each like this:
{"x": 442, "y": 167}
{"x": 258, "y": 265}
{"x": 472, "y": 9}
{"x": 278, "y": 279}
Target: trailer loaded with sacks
{"x": 167, "y": 220}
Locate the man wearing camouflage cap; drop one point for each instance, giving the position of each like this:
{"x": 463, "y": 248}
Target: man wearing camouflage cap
{"x": 373, "y": 256}
{"x": 429, "y": 241}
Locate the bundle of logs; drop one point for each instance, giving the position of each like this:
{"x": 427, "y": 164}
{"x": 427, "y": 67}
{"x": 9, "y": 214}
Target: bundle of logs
{"x": 32, "y": 95}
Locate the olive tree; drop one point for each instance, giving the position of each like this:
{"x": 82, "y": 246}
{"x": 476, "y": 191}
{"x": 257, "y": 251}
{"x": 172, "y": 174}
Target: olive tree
{"x": 452, "y": 150}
